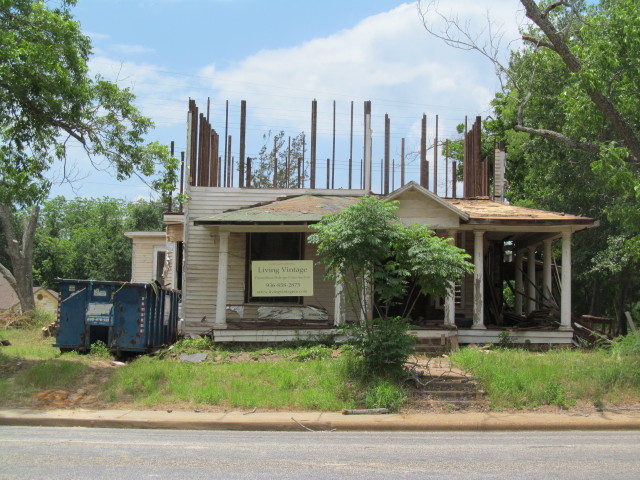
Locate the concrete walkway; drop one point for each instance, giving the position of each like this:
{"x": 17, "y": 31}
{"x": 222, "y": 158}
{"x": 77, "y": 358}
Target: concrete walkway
{"x": 323, "y": 421}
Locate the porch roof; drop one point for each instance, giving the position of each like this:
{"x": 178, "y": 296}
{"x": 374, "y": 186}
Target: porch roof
{"x": 484, "y": 211}
{"x": 300, "y": 209}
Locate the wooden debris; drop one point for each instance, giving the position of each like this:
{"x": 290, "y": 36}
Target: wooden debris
{"x": 365, "y": 411}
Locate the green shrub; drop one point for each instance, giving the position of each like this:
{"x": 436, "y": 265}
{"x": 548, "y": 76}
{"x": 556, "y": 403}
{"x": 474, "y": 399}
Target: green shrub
{"x": 100, "y": 349}
{"x": 385, "y": 394}
{"x": 385, "y": 344}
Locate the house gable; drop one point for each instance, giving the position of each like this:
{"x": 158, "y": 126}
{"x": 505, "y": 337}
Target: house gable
{"x": 417, "y": 205}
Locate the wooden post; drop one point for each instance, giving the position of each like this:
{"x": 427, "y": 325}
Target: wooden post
{"x": 314, "y": 118}
{"x": 532, "y": 303}
{"x": 248, "y": 183}
{"x": 450, "y": 299}
{"x": 228, "y": 176}
{"x": 387, "y": 129}
{"x": 181, "y": 179}
{"x": 333, "y": 150}
{"x": 215, "y": 163}
{"x": 519, "y": 282}
{"x": 243, "y": 130}
{"x": 328, "y": 173}
{"x": 402, "y": 163}
{"x": 221, "y": 297}
{"x": 565, "y": 301}
{"x": 288, "y": 167}
{"x": 446, "y": 169}
{"x": 367, "y": 167}
{"x": 226, "y": 137}
{"x": 351, "y": 148}
{"x": 454, "y": 176}
{"x": 424, "y": 172}
{"x": 546, "y": 272}
{"x": 435, "y": 160}
{"x": 275, "y": 161}
{"x": 478, "y": 280}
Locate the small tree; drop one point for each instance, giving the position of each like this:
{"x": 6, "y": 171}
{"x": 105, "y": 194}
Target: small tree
{"x": 371, "y": 254}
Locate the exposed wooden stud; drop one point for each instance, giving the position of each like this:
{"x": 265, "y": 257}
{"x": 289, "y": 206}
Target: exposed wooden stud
{"x": 228, "y": 176}
{"x": 172, "y": 151}
{"x": 181, "y": 179}
{"x": 435, "y": 160}
{"x": 314, "y": 118}
{"x": 387, "y": 128}
{"x": 248, "y": 183}
{"x": 304, "y": 147}
{"x": 367, "y": 158}
{"x": 424, "y": 169}
{"x": 333, "y": 150}
{"x": 402, "y": 162}
{"x": 243, "y": 130}
{"x": 454, "y": 185}
{"x": 328, "y": 173}
{"x": 275, "y": 161}
{"x": 226, "y": 136}
{"x": 446, "y": 169}
{"x": 288, "y": 165}
{"x": 351, "y": 148}
{"x": 215, "y": 160}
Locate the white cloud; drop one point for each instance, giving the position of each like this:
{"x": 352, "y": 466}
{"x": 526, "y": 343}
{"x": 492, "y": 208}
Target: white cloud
{"x": 131, "y": 49}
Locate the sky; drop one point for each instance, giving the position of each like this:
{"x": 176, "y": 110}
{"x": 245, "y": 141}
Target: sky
{"x": 279, "y": 55}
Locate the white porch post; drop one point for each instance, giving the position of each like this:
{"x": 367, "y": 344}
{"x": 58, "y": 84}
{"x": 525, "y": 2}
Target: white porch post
{"x": 519, "y": 283}
{"x": 338, "y": 314}
{"x": 478, "y": 280}
{"x": 223, "y": 262}
{"x": 546, "y": 272}
{"x": 531, "y": 276}
{"x": 565, "y": 302}
{"x": 450, "y": 299}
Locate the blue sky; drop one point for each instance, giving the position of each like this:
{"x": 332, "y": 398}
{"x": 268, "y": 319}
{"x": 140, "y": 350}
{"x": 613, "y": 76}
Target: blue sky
{"x": 278, "y": 56}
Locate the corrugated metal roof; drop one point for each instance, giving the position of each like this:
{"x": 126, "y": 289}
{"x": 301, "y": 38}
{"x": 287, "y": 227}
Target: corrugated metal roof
{"x": 299, "y": 209}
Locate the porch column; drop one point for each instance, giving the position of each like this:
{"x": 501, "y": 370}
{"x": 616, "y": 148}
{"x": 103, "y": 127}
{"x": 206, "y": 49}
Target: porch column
{"x": 338, "y": 314}
{"x": 450, "y": 299}
{"x": 519, "y": 283}
{"x": 531, "y": 277}
{"x": 565, "y": 302}
{"x": 478, "y": 280}
{"x": 223, "y": 262}
{"x": 546, "y": 272}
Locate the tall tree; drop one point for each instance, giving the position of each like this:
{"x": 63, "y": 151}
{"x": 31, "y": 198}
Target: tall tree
{"x": 48, "y": 100}
{"x": 276, "y": 153}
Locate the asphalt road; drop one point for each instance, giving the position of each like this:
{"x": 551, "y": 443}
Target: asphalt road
{"x": 81, "y": 453}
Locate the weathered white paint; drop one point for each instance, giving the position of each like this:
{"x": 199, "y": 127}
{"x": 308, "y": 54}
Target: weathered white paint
{"x": 450, "y": 299}
{"x": 143, "y": 255}
{"x": 500, "y": 164}
{"x": 338, "y": 311}
{"x": 415, "y": 207}
{"x": 478, "y": 280}
{"x": 221, "y": 299}
{"x": 565, "y": 302}
{"x": 546, "y": 272}
{"x": 519, "y": 282}
{"x": 532, "y": 304}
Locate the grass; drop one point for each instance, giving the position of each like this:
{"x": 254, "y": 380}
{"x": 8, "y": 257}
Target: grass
{"x": 520, "y": 379}
{"x": 312, "y": 384}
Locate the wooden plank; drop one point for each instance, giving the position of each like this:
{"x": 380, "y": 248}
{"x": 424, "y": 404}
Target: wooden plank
{"x": 632, "y": 325}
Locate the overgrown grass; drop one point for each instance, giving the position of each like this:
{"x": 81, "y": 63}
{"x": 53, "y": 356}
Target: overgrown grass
{"x": 521, "y": 379}
{"x": 313, "y": 384}
{"x": 28, "y": 343}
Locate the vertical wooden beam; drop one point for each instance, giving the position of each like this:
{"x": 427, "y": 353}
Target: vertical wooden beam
{"x": 435, "y": 160}
{"x": 304, "y": 149}
{"x": 248, "y": 182}
{"x": 402, "y": 162}
{"x": 446, "y": 169}
{"x": 450, "y": 298}
{"x": 424, "y": 172}
{"x": 333, "y": 150}
{"x": 478, "y": 280}
{"x": 275, "y": 161}
{"x": 215, "y": 163}
{"x": 351, "y": 149}
{"x": 367, "y": 160}
{"x": 221, "y": 297}
{"x": 288, "y": 166}
{"x": 565, "y": 300}
{"x": 546, "y": 273}
{"x": 172, "y": 151}
{"x": 181, "y": 179}
{"x": 192, "y": 142}
{"x": 531, "y": 280}
{"x": 314, "y": 119}
{"x": 454, "y": 178}
{"x": 387, "y": 134}
{"x": 243, "y": 130}
{"x": 228, "y": 176}
{"x": 328, "y": 173}
{"x": 519, "y": 293}
{"x": 226, "y": 137}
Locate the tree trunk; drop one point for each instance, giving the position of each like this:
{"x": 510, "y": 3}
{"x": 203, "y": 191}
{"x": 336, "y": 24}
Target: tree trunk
{"x": 20, "y": 277}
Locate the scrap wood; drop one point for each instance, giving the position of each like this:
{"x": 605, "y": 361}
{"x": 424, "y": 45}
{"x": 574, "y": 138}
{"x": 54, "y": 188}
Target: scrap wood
{"x": 365, "y": 411}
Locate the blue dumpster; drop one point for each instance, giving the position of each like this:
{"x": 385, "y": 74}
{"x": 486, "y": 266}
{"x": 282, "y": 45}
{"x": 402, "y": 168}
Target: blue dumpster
{"x": 127, "y": 317}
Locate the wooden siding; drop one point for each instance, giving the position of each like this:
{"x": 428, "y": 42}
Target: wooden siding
{"x": 143, "y": 259}
{"x": 414, "y": 207}
{"x": 201, "y": 257}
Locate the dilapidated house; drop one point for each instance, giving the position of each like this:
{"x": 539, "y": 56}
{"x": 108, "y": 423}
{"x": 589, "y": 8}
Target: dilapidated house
{"x": 247, "y": 273}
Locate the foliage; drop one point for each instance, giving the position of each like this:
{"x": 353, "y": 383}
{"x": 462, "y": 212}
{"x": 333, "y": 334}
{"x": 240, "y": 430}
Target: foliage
{"x": 84, "y": 238}
{"x": 99, "y": 349}
{"x": 49, "y": 103}
{"x": 371, "y": 254}
{"x": 384, "y": 344}
{"x": 385, "y": 394}
{"x": 278, "y": 149}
